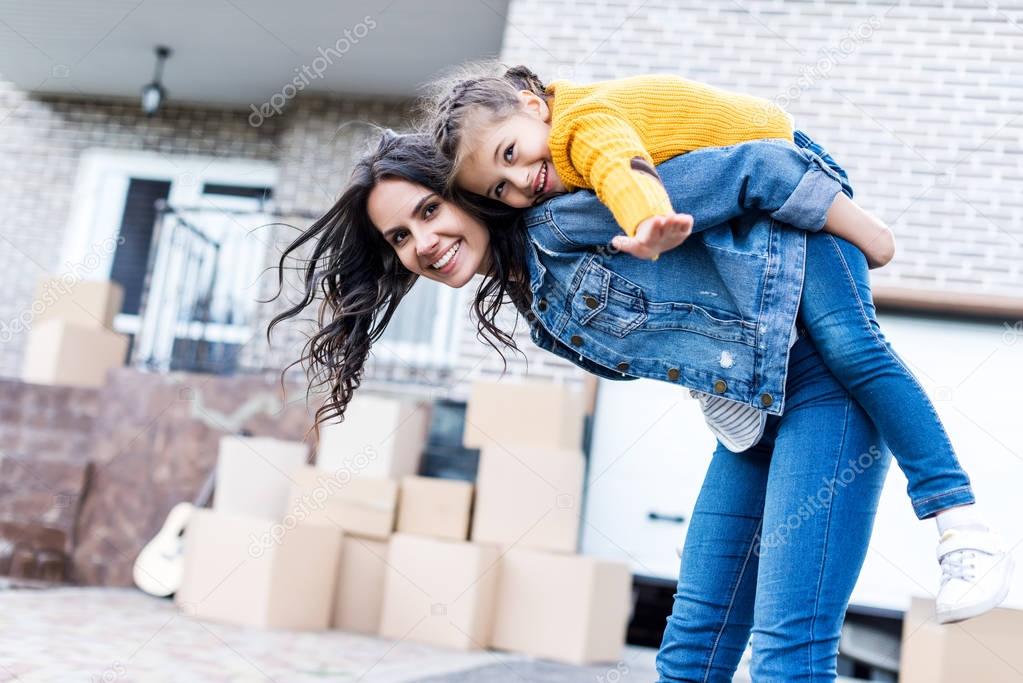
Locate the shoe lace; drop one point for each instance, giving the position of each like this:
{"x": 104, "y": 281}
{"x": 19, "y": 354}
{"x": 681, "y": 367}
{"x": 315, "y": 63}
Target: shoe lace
{"x": 958, "y": 564}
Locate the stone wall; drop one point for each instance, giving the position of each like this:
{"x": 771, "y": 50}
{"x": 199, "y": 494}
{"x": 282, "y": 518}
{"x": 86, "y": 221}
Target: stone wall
{"x": 152, "y": 440}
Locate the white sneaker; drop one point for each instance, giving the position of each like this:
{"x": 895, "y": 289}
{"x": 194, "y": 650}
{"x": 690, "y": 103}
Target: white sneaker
{"x": 976, "y": 572}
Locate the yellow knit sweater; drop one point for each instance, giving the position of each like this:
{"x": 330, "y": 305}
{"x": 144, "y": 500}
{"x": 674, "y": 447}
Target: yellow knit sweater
{"x": 606, "y": 136}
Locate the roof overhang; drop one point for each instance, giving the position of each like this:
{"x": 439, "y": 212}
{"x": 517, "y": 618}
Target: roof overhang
{"x": 236, "y": 53}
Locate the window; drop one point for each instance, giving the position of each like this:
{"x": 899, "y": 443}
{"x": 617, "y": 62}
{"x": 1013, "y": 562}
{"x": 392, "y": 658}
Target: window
{"x": 189, "y": 273}
{"x": 424, "y": 329}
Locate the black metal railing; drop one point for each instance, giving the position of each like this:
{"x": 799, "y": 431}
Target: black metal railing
{"x": 200, "y": 293}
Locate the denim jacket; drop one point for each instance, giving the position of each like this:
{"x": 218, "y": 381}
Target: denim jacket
{"x": 715, "y": 314}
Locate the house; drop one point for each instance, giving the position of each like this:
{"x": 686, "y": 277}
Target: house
{"x": 266, "y": 108}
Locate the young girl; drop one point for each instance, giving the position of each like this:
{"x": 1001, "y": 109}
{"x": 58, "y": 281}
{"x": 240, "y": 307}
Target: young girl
{"x": 523, "y": 144}
{"x": 513, "y": 140}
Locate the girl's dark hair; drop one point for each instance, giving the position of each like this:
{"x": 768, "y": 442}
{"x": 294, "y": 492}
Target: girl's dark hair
{"x": 479, "y": 91}
{"x": 360, "y": 281}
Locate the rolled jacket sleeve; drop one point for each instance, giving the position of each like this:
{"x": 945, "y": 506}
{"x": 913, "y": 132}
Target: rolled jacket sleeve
{"x": 807, "y": 206}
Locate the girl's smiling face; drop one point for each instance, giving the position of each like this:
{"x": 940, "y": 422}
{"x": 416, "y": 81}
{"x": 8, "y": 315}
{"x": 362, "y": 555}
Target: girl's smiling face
{"x": 510, "y": 160}
{"x": 433, "y": 237}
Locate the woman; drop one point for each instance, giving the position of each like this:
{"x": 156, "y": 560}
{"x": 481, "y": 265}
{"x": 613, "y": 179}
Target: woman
{"x": 780, "y": 531}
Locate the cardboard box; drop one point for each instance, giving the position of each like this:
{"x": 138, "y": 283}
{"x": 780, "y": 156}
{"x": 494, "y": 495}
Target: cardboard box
{"x": 439, "y": 592}
{"x": 380, "y": 437}
{"x": 358, "y": 505}
{"x": 248, "y": 571}
{"x": 359, "y": 597}
{"x": 71, "y": 354}
{"x": 529, "y": 496}
{"x": 525, "y": 413}
{"x": 985, "y": 649}
{"x": 91, "y": 303}
{"x": 570, "y": 608}
{"x": 253, "y": 475}
{"x": 435, "y": 507}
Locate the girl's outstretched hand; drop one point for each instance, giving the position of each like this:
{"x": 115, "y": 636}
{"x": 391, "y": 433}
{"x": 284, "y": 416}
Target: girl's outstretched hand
{"x": 656, "y": 235}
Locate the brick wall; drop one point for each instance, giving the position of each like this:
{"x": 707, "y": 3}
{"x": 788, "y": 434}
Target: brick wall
{"x": 920, "y": 101}
{"x": 152, "y": 439}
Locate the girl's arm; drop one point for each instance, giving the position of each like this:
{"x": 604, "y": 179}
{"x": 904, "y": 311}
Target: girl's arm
{"x": 606, "y": 139}
{"x": 846, "y": 219}
{"x": 608, "y": 155}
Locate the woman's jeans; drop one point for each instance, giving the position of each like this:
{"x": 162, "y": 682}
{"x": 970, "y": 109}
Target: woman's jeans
{"x": 777, "y": 539}
{"x": 838, "y": 312}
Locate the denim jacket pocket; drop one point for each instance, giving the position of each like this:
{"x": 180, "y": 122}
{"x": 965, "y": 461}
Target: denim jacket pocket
{"x": 688, "y": 317}
{"x": 606, "y": 301}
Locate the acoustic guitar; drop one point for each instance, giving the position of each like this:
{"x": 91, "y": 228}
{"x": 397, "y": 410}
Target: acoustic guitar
{"x": 159, "y": 567}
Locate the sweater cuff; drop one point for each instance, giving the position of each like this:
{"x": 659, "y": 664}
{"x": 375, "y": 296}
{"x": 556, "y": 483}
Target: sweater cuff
{"x": 638, "y": 200}
{"x": 807, "y": 206}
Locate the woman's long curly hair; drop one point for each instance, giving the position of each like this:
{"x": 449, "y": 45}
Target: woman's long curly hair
{"x": 360, "y": 281}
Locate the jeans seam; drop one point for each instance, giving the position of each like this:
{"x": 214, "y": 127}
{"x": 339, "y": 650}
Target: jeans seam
{"x": 866, "y": 319}
{"x": 731, "y": 604}
{"x": 824, "y": 550}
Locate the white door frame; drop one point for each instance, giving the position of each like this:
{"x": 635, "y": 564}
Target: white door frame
{"x": 101, "y": 187}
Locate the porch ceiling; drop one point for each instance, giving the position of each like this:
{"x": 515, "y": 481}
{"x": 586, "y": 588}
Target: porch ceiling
{"x": 234, "y": 53}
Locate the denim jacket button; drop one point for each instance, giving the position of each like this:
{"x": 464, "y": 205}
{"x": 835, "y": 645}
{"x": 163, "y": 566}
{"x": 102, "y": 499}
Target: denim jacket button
{"x": 576, "y": 340}
{"x": 674, "y": 374}
{"x": 591, "y": 302}
{"x": 542, "y": 305}
{"x": 623, "y": 367}
{"x": 766, "y": 400}
{"x": 720, "y": 386}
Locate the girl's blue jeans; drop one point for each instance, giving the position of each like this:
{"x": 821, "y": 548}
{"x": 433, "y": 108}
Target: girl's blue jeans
{"x": 777, "y": 539}
{"x": 838, "y": 313}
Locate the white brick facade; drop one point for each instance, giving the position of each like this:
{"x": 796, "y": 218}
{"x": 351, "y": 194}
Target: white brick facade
{"x": 921, "y": 102}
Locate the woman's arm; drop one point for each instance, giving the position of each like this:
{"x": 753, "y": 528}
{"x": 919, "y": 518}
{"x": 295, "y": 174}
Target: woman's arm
{"x": 718, "y": 184}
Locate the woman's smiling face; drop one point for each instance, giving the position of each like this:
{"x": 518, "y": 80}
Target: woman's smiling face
{"x": 433, "y": 237}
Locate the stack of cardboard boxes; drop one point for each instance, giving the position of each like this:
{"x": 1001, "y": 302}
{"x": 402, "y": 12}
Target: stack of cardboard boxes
{"x": 550, "y": 602}
{"x": 248, "y": 560}
{"x": 360, "y": 543}
{"x": 290, "y": 545}
{"x": 71, "y": 342}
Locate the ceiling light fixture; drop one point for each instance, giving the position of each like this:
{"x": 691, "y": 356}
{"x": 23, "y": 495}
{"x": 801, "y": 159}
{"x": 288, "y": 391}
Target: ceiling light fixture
{"x": 154, "y": 94}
